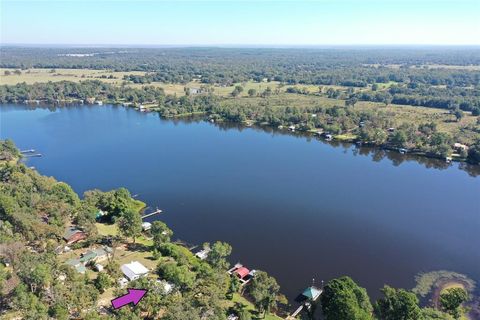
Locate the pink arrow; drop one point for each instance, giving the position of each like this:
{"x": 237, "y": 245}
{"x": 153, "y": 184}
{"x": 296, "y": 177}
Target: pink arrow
{"x": 133, "y": 296}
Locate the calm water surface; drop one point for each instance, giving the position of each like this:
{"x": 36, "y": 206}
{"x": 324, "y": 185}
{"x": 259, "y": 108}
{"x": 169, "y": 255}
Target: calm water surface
{"x": 299, "y": 209}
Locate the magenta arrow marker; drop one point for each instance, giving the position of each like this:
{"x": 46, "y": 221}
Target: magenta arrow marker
{"x": 133, "y": 296}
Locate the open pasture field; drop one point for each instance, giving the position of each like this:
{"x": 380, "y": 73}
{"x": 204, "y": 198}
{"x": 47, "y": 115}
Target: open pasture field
{"x": 31, "y": 76}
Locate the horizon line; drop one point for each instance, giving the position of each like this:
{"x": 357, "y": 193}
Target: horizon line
{"x": 238, "y": 45}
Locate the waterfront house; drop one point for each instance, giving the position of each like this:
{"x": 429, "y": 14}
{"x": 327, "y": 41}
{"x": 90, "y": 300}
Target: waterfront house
{"x": 73, "y": 234}
{"x": 146, "y": 226}
{"x": 134, "y": 270}
{"x": 242, "y": 273}
{"x": 460, "y": 147}
{"x": 202, "y": 254}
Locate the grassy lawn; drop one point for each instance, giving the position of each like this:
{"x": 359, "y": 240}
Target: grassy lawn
{"x": 237, "y": 298}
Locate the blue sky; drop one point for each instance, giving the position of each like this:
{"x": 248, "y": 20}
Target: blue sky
{"x": 241, "y": 22}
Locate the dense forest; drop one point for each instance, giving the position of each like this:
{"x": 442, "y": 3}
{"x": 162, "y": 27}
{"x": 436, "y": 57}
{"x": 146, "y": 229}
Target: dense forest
{"x": 37, "y": 283}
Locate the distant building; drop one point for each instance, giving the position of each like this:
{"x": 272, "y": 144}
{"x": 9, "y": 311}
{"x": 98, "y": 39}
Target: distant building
{"x": 459, "y": 147}
{"x": 72, "y": 235}
{"x": 194, "y": 90}
{"x": 134, "y": 270}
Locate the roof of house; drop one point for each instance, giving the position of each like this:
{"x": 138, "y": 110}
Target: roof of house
{"x": 133, "y": 269}
{"x": 89, "y": 255}
{"x": 311, "y": 293}
{"x": 70, "y": 232}
{"x": 242, "y": 272}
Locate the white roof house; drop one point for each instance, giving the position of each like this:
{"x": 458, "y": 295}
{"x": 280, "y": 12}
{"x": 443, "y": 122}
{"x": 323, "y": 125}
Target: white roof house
{"x": 146, "y": 226}
{"x": 134, "y": 270}
{"x": 203, "y": 254}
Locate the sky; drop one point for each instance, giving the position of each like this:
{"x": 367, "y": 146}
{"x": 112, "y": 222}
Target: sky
{"x": 229, "y": 22}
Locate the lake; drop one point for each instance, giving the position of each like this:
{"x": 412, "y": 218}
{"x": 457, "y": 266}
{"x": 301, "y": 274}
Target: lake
{"x": 296, "y": 207}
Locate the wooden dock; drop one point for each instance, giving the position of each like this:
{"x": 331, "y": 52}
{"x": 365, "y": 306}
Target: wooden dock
{"x": 28, "y": 151}
{"x": 296, "y": 312}
{"x": 151, "y": 213}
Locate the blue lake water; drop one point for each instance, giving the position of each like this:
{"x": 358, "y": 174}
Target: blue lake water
{"x": 296, "y": 207}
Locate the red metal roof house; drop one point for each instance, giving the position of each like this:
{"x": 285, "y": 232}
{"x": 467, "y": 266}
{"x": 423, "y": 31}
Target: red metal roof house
{"x": 242, "y": 272}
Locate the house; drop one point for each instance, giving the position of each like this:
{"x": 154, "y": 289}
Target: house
{"x": 391, "y": 129}
{"x": 97, "y": 255}
{"x": 99, "y": 267}
{"x": 460, "y": 147}
{"x": 291, "y": 128}
{"x": 134, "y": 270}
{"x": 194, "y": 90}
{"x": 203, "y": 254}
{"x": 243, "y": 274}
{"x": 72, "y": 235}
{"x": 77, "y": 265}
{"x": 146, "y": 226}
{"x": 90, "y": 100}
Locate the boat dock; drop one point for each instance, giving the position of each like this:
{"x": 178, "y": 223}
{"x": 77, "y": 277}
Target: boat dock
{"x": 30, "y": 155}
{"x": 28, "y": 151}
{"x": 309, "y": 295}
{"x": 151, "y": 213}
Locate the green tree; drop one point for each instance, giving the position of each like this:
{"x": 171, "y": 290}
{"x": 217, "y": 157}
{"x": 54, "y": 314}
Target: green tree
{"x": 179, "y": 275}
{"x": 343, "y": 299}
{"x": 161, "y": 234}
{"x": 102, "y": 282}
{"x": 474, "y": 153}
{"x": 252, "y": 92}
{"x": 458, "y": 114}
{"x": 452, "y": 299}
{"x": 397, "y": 304}
{"x": 264, "y": 291}
{"x": 218, "y": 254}
{"x": 237, "y": 91}
{"x": 130, "y": 224}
